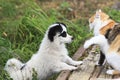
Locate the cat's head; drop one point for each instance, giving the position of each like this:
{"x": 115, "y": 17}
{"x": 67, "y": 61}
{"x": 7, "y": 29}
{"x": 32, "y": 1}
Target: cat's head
{"x": 99, "y": 15}
{"x": 101, "y": 19}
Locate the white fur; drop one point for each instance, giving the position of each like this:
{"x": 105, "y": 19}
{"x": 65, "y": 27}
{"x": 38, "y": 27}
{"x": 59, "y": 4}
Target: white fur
{"x": 51, "y": 57}
{"x": 13, "y": 65}
{"x": 96, "y": 25}
{"x": 110, "y": 72}
{"x": 100, "y": 40}
{"x": 113, "y": 58}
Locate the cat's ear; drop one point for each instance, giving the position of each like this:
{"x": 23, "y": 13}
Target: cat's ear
{"x": 99, "y": 10}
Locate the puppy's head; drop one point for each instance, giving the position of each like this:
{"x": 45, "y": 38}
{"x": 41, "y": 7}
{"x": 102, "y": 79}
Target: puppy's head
{"x": 58, "y": 32}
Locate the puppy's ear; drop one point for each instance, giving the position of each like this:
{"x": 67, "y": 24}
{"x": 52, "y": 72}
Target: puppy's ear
{"x": 53, "y": 30}
{"x": 51, "y": 34}
{"x": 61, "y": 23}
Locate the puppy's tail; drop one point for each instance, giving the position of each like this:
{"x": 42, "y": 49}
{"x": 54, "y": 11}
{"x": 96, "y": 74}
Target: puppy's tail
{"x": 13, "y": 65}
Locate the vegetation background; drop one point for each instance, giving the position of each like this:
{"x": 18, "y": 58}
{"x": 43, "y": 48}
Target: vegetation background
{"x": 24, "y": 22}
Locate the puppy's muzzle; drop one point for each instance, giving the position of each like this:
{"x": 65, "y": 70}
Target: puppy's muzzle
{"x": 72, "y": 38}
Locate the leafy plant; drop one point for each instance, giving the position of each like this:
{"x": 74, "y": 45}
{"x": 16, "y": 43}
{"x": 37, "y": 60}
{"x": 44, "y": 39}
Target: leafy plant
{"x": 23, "y": 24}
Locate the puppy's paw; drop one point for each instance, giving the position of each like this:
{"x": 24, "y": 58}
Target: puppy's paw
{"x": 77, "y": 63}
{"x": 72, "y": 68}
{"x": 110, "y": 72}
{"x": 87, "y": 44}
{"x": 80, "y": 62}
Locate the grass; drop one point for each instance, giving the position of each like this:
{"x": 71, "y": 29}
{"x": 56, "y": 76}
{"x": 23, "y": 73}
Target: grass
{"x": 23, "y": 24}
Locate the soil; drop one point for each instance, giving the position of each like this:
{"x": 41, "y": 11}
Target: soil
{"x": 78, "y": 9}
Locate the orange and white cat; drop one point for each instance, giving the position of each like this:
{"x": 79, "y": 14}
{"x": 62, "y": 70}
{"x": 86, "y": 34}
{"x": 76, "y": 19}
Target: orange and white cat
{"x": 110, "y": 45}
{"x": 100, "y": 22}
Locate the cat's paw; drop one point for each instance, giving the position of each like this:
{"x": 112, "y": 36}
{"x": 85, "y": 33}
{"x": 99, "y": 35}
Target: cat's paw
{"x": 87, "y": 44}
{"x": 110, "y": 72}
{"x": 97, "y": 63}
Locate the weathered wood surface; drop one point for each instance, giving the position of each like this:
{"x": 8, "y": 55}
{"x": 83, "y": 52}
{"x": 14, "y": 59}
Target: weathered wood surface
{"x": 88, "y": 70}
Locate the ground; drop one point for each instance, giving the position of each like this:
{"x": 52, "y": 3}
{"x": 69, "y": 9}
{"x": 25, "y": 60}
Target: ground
{"x": 23, "y": 23}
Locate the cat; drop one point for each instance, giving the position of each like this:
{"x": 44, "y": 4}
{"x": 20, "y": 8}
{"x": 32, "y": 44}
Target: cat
{"x": 110, "y": 45}
{"x": 100, "y": 22}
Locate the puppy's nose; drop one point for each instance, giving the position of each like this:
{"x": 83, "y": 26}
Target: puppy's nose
{"x": 72, "y": 38}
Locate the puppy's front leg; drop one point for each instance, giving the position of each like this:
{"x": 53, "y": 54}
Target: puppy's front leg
{"x": 72, "y": 62}
{"x": 63, "y": 66}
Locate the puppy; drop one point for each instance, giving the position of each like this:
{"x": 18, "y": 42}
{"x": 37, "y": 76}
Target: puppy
{"x": 100, "y": 22}
{"x": 110, "y": 45}
{"x": 52, "y": 56}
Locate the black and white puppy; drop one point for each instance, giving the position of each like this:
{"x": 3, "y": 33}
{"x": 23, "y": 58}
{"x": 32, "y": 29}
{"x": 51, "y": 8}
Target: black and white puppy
{"x": 52, "y": 56}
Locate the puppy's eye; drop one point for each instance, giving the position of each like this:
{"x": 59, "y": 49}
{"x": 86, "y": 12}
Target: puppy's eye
{"x": 64, "y": 34}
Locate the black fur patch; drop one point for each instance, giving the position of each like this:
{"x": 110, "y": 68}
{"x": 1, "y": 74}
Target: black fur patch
{"x": 113, "y": 33}
{"x": 107, "y": 33}
{"x": 101, "y": 59}
{"x": 63, "y": 34}
{"x": 53, "y": 30}
{"x": 118, "y": 49}
{"x": 22, "y": 66}
{"x": 61, "y": 23}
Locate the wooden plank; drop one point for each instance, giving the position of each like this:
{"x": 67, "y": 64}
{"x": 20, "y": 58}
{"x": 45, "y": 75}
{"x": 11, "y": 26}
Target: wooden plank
{"x": 97, "y": 71}
{"x": 116, "y": 76}
{"x": 103, "y": 73}
{"x": 90, "y": 71}
{"x": 103, "y": 79}
{"x": 78, "y": 53}
{"x": 83, "y": 74}
{"x": 86, "y": 69}
{"x": 100, "y": 73}
{"x": 65, "y": 74}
